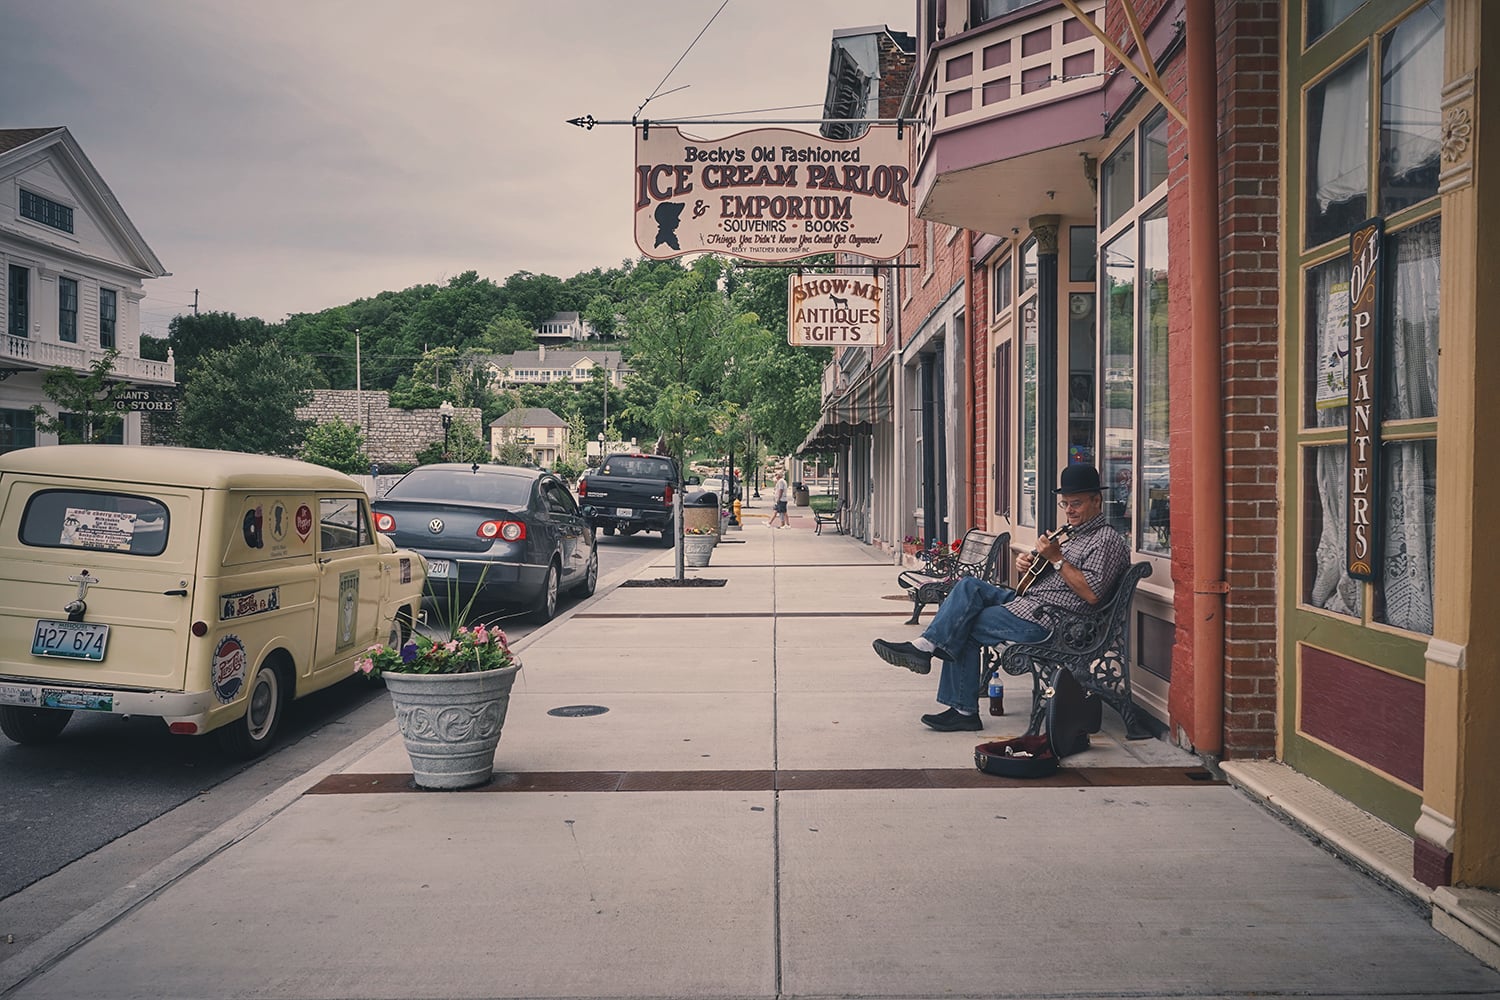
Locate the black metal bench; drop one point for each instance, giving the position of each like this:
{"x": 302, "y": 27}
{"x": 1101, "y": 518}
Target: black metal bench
{"x": 1093, "y": 644}
{"x": 981, "y": 555}
{"x": 834, "y": 517}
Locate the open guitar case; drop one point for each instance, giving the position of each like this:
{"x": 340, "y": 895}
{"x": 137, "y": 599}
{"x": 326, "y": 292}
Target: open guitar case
{"x": 1071, "y": 714}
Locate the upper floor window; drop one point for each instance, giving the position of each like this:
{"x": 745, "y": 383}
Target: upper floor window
{"x": 1002, "y": 293}
{"x": 106, "y": 318}
{"x": 981, "y": 11}
{"x": 46, "y": 211}
{"x": 18, "y": 301}
{"x": 67, "y": 310}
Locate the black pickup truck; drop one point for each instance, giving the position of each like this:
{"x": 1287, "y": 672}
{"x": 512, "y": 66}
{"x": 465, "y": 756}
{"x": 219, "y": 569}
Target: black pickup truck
{"x": 631, "y": 493}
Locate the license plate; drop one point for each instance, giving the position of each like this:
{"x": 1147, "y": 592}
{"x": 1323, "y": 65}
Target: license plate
{"x": 624, "y": 512}
{"x": 437, "y": 569}
{"x": 74, "y": 640}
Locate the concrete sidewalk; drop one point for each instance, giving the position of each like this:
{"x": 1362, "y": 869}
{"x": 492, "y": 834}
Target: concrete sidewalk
{"x": 758, "y": 814}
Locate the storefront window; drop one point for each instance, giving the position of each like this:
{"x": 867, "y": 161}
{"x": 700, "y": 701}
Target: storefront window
{"x": 1326, "y": 582}
{"x": 1326, "y": 362}
{"x": 1117, "y": 400}
{"x": 1027, "y": 510}
{"x": 1411, "y": 117}
{"x": 1324, "y": 15}
{"x": 1410, "y": 347}
{"x": 1408, "y": 498}
{"x": 1081, "y": 354}
{"x": 1155, "y": 529}
{"x": 1117, "y": 184}
{"x": 1338, "y": 144}
{"x": 1154, "y": 150}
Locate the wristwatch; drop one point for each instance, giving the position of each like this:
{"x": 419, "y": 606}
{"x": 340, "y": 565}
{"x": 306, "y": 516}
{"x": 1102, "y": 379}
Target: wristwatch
{"x": 1058, "y": 564}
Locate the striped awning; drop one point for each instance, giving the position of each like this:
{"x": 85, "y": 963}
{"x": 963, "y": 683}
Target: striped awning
{"x": 856, "y": 411}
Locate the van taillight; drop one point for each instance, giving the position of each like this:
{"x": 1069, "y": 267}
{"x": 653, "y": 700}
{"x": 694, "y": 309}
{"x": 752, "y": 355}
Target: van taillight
{"x": 384, "y": 523}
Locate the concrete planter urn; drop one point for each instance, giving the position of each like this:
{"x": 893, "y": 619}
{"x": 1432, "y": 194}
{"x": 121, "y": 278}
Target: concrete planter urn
{"x": 451, "y": 723}
{"x": 696, "y": 549}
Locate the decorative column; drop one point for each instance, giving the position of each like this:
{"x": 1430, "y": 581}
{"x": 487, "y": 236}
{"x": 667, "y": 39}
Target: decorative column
{"x": 1044, "y": 228}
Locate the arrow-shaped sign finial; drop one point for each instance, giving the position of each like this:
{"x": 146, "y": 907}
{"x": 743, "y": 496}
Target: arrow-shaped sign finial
{"x": 586, "y": 122}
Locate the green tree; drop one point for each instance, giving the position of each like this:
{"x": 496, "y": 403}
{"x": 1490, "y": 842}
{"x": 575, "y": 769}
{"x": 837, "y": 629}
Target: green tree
{"x": 85, "y": 402}
{"x": 463, "y": 441}
{"x": 337, "y": 445}
{"x": 506, "y": 334}
{"x": 245, "y": 398}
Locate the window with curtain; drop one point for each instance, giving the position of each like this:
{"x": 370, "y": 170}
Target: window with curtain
{"x": 17, "y": 300}
{"x": 1402, "y": 188}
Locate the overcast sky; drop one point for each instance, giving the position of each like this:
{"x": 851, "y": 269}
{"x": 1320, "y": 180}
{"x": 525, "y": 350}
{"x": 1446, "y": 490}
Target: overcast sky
{"x": 283, "y": 156}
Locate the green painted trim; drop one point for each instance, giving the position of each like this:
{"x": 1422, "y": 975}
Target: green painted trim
{"x": 1364, "y": 786}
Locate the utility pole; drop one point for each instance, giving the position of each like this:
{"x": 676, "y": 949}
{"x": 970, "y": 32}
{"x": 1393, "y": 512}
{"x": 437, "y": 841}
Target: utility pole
{"x": 195, "y": 302}
{"x": 359, "y": 397}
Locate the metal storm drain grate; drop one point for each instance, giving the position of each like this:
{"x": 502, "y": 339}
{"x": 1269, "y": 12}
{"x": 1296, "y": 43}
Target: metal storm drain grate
{"x": 574, "y": 711}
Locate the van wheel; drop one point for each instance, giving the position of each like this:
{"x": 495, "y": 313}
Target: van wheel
{"x": 253, "y": 733}
{"x": 30, "y": 726}
{"x": 545, "y": 606}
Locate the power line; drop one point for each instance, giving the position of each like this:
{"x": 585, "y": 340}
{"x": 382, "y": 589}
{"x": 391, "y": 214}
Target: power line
{"x": 680, "y": 58}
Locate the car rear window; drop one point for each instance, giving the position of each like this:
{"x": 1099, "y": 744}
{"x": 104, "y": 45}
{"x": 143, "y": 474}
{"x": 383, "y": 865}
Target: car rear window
{"x": 631, "y": 467}
{"x": 96, "y": 521}
{"x": 496, "y": 488}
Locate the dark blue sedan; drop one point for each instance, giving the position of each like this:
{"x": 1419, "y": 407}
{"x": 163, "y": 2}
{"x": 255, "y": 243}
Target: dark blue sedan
{"x": 514, "y": 535}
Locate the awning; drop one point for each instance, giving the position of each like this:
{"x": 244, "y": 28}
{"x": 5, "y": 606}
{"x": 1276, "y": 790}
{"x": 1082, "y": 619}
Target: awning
{"x": 866, "y": 403}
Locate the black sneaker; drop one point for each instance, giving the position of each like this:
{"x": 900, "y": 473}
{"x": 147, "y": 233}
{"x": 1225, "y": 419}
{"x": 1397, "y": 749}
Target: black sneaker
{"x": 904, "y": 654}
{"x": 953, "y": 721}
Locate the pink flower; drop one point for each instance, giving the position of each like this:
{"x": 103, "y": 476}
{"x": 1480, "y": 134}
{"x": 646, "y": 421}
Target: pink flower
{"x": 463, "y": 629}
{"x": 481, "y": 636}
{"x": 377, "y": 648}
{"x": 366, "y": 665}
{"x": 451, "y": 645}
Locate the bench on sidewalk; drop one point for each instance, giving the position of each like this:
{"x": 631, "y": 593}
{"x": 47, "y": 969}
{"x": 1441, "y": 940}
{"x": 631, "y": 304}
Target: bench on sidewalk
{"x": 980, "y": 555}
{"x": 834, "y": 517}
{"x": 1093, "y": 644}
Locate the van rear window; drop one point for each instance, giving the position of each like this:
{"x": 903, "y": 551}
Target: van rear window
{"x": 95, "y": 521}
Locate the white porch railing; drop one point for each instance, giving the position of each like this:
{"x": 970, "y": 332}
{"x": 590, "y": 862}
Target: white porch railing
{"x": 48, "y": 354}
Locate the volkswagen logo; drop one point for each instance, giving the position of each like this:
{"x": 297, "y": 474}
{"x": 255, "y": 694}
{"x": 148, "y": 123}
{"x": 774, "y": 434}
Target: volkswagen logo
{"x": 435, "y": 526}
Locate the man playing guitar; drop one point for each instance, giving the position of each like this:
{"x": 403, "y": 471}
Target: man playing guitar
{"x": 977, "y": 614}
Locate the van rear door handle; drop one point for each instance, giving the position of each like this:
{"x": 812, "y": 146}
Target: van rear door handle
{"x": 174, "y": 593}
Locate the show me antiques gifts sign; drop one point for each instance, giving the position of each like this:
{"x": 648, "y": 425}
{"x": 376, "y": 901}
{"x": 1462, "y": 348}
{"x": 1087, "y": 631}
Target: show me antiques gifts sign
{"x": 771, "y": 194}
{"x": 834, "y": 310}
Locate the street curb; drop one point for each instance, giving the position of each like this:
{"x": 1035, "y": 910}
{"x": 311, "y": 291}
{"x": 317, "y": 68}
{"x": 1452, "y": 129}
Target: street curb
{"x": 46, "y": 952}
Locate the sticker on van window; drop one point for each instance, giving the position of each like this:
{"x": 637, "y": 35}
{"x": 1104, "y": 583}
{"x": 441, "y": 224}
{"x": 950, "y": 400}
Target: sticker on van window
{"x": 97, "y": 529}
{"x": 228, "y": 670}
{"x": 249, "y": 602}
{"x": 253, "y": 528}
{"x": 406, "y": 570}
{"x": 304, "y": 522}
{"x": 278, "y": 522}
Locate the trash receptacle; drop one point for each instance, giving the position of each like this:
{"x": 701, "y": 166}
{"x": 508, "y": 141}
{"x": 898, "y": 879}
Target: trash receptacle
{"x": 701, "y": 510}
{"x": 800, "y": 495}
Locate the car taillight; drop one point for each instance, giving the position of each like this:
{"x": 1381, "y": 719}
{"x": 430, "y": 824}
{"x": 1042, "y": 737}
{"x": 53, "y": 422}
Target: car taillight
{"x": 666, "y": 495}
{"x": 511, "y": 531}
{"x": 384, "y": 522}
{"x": 583, "y": 487}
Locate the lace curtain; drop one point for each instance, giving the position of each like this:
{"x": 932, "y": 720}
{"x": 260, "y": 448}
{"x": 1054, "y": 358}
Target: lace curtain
{"x": 1331, "y": 587}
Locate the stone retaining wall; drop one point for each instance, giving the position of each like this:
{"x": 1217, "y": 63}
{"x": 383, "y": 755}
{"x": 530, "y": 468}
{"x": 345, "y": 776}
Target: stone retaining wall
{"x": 390, "y": 435}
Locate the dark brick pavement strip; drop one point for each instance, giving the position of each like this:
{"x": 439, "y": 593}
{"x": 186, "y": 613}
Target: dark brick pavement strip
{"x": 743, "y": 614}
{"x": 787, "y": 781}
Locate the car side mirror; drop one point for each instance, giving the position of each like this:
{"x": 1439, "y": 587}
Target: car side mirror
{"x": 692, "y": 481}
{"x": 588, "y": 514}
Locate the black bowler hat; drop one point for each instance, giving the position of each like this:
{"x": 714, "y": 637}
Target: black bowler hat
{"x": 1079, "y": 479}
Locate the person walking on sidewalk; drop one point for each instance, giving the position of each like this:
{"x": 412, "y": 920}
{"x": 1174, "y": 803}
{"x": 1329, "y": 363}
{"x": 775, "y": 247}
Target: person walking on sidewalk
{"x": 780, "y": 496}
{"x": 976, "y": 613}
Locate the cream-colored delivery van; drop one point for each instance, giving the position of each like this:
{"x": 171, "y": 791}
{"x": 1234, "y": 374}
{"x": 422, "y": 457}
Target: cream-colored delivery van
{"x": 205, "y": 587}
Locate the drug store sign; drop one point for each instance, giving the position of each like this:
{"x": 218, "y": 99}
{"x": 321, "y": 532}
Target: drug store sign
{"x": 772, "y": 194}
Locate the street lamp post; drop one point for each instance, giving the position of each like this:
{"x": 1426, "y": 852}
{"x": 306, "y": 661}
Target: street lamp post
{"x": 601, "y": 447}
{"x": 446, "y": 412}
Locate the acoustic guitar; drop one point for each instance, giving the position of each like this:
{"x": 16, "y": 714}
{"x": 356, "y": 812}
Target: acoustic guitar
{"x": 1038, "y": 565}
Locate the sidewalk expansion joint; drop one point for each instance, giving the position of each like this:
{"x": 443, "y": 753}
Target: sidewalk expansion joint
{"x": 872, "y": 779}
{"x": 741, "y": 614}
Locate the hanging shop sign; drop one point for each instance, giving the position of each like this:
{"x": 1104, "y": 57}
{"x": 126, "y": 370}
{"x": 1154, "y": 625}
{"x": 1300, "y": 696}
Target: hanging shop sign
{"x": 772, "y": 194}
{"x": 834, "y": 310}
{"x": 147, "y": 400}
{"x": 1364, "y": 415}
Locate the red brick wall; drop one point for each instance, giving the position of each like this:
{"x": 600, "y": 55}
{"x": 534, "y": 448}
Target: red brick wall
{"x": 980, "y": 350}
{"x": 1250, "y": 82}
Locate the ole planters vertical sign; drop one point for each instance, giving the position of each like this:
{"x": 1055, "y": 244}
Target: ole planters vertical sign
{"x": 1364, "y": 414}
{"x": 771, "y": 194}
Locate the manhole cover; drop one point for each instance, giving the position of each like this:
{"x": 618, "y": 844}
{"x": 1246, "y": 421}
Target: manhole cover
{"x": 573, "y": 711}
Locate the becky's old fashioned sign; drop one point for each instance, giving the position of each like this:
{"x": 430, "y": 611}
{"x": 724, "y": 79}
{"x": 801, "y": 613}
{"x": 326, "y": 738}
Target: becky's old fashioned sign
{"x": 833, "y": 310}
{"x": 1364, "y": 418}
{"x": 771, "y": 194}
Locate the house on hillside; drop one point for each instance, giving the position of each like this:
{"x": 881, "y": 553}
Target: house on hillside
{"x": 564, "y": 328}
{"x": 73, "y": 267}
{"x": 541, "y": 434}
{"x": 548, "y": 365}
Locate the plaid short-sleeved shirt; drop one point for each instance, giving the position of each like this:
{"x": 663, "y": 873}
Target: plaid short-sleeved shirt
{"x": 1096, "y": 549}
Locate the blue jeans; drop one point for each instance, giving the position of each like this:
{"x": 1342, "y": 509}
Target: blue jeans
{"x": 974, "y": 615}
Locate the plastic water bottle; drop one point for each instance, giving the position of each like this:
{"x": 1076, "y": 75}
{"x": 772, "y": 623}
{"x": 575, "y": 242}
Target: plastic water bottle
{"x": 997, "y": 694}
